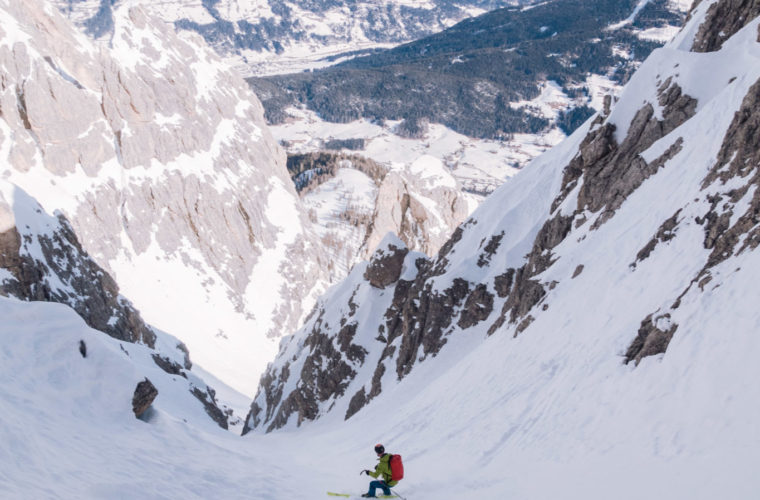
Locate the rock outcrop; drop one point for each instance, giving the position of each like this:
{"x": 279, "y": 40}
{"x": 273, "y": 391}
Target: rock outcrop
{"x": 724, "y": 19}
{"x": 651, "y": 339}
{"x": 612, "y": 171}
{"x": 386, "y": 263}
{"x": 42, "y": 260}
{"x": 145, "y": 394}
{"x": 208, "y": 399}
{"x": 354, "y": 202}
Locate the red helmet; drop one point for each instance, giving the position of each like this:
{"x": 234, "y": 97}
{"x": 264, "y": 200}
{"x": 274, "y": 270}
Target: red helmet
{"x": 379, "y": 449}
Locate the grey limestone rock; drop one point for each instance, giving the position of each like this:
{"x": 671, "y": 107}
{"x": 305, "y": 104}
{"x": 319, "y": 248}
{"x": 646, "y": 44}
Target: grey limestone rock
{"x": 612, "y": 171}
{"x": 399, "y": 210}
{"x": 477, "y": 307}
{"x": 386, "y": 264}
{"x": 208, "y": 399}
{"x": 665, "y": 233}
{"x": 49, "y": 264}
{"x": 167, "y": 365}
{"x": 490, "y": 249}
{"x": 651, "y": 339}
{"x": 578, "y": 271}
{"x": 145, "y": 394}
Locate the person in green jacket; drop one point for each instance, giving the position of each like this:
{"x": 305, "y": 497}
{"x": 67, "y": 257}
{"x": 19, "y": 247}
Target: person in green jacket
{"x": 383, "y": 468}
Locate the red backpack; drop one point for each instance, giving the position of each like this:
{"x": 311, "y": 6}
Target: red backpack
{"x": 397, "y": 468}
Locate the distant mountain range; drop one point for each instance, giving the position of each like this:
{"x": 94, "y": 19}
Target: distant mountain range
{"x": 634, "y": 242}
{"x": 261, "y": 32}
{"x": 172, "y": 185}
{"x": 479, "y": 77}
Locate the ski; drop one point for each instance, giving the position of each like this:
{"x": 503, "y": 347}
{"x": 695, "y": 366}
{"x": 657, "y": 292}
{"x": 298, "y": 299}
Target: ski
{"x": 348, "y": 495}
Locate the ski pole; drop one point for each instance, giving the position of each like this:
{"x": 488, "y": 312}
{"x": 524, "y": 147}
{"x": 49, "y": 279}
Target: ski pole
{"x": 395, "y": 492}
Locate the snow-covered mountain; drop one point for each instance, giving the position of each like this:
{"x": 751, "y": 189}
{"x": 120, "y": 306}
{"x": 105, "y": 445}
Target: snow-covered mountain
{"x": 41, "y": 259}
{"x": 485, "y": 96}
{"x": 623, "y": 256}
{"x": 637, "y": 235}
{"x": 157, "y": 154}
{"x": 271, "y": 36}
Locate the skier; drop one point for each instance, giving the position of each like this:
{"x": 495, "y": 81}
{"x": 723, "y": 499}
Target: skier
{"x": 383, "y": 468}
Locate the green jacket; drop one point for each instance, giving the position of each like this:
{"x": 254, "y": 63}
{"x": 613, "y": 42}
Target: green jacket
{"x": 383, "y": 468}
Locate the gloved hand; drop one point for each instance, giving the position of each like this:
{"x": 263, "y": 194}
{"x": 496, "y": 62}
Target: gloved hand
{"x": 365, "y": 471}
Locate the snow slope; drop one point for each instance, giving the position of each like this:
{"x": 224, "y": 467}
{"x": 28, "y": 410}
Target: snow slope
{"x": 68, "y": 425}
{"x": 551, "y": 412}
{"x": 68, "y": 430}
{"x": 595, "y": 317}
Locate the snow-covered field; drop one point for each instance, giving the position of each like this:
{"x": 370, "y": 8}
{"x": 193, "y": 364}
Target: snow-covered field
{"x": 478, "y": 165}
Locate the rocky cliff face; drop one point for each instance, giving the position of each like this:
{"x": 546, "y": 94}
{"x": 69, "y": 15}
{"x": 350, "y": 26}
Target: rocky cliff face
{"x": 42, "y": 260}
{"x": 723, "y": 20}
{"x": 158, "y": 155}
{"x": 340, "y": 342}
{"x": 626, "y": 229}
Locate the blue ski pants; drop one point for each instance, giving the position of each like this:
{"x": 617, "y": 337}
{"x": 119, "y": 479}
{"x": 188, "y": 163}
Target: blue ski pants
{"x": 378, "y": 484}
